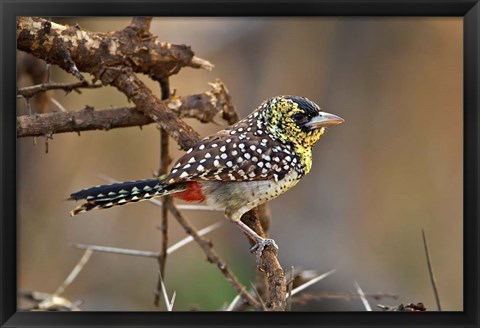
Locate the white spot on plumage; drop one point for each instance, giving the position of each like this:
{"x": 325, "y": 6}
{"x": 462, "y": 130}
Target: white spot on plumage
{"x": 254, "y": 159}
{"x": 191, "y": 160}
{"x": 207, "y": 155}
{"x": 187, "y": 166}
{"x": 216, "y": 163}
{"x": 214, "y": 145}
{"x": 223, "y": 148}
{"x": 223, "y": 156}
{"x": 247, "y": 155}
{"x": 260, "y": 164}
{"x": 202, "y": 147}
{"x": 229, "y": 164}
{"x": 234, "y": 153}
{"x": 200, "y": 168}
{"x": 189, "y": 151}
{"x": 239, "y": 160}
{"x": 252, "y": 147}
{"x": 184, "y": 175}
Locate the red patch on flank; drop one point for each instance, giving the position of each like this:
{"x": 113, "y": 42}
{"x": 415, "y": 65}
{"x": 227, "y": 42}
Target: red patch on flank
{"x": 193, "y": 193}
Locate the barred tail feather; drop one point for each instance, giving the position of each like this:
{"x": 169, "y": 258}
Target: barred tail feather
{"x": 122, "y": 193}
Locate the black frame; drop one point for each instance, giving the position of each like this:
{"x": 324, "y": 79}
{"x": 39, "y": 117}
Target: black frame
{"x": 10, "y": 9}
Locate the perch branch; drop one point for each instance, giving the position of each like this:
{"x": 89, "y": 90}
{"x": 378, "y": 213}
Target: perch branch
{"x": 274, "y": 273}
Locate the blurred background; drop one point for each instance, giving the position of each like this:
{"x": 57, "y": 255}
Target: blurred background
{"x": 393, "y": 168}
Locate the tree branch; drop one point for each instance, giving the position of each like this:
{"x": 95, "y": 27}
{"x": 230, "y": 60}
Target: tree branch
{"x": 113, "y": 58}
{"x": 31, "y": 91}
{"x": 204, "y": 107}
{"x": 274, "y": 273}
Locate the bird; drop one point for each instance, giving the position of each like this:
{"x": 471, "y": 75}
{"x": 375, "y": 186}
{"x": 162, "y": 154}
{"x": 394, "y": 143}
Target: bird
{"x": 238, "y": 168}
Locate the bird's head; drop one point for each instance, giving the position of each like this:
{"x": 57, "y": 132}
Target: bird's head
{"x": 297, "y": 120}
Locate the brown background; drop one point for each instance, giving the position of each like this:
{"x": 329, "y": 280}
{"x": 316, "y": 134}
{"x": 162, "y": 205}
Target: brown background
{"x": 393, "y": 168}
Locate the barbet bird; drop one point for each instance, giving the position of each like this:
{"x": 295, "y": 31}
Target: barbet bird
{"x": 236, "y": 169}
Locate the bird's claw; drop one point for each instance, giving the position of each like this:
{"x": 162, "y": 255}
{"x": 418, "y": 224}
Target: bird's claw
{"x": 260, "y": 246}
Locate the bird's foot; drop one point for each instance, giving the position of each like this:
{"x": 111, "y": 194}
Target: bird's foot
{"x": 260, "y": 246}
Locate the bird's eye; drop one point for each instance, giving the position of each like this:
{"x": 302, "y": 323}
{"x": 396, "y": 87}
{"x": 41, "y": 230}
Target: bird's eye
{"x": 300, "y": 117}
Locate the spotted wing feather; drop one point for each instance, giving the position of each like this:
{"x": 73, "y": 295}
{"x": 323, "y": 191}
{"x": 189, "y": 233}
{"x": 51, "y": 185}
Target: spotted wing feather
{"x": 244, "y": 152}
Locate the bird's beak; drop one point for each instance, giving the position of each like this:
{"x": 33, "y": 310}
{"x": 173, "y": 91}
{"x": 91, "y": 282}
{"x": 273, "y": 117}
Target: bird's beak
{"x": 324, "y": 119}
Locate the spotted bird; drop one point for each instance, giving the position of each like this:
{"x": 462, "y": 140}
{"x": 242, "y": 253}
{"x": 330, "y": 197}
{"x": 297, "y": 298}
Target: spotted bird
{"x": 236, "y": 169}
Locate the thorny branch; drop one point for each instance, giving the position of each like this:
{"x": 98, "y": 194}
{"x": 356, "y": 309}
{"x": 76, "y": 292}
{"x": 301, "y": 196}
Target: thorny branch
{"x": 204, "y": 107}
{"x": 31, "y": 91}
{"x": 114, "y": 58}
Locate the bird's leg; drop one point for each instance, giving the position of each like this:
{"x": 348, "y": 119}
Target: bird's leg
{"x": 260, "y": 242}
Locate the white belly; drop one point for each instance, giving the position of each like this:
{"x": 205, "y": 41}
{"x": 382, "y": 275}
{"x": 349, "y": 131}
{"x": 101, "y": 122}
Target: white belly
{"x": 240, "y": 197}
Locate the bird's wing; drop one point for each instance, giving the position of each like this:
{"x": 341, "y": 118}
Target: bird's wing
{"x": 238, "y": 156}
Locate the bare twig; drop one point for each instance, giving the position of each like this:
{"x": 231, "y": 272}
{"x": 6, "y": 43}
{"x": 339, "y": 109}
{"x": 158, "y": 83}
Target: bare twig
{"x": 31, "y": 91}
{"x": 134, "y": 252}
{"x": 430, "y": 271}
{"x": 348, "y": 296}
{"x": 212, "y": 256}
{"x": 76, "y": 270}
{"x": 259, "y": 297}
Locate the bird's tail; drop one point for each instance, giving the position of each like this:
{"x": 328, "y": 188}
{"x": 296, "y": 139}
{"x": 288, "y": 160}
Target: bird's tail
{"x": 122, "y": 193}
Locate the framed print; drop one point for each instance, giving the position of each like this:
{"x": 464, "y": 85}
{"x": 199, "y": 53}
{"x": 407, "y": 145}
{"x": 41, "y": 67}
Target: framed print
{"x": 315, "y": 159}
